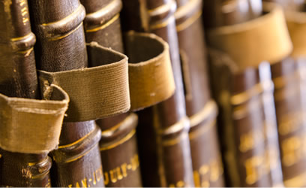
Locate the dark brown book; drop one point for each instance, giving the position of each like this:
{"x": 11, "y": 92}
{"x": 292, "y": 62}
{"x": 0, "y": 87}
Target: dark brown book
{"x": 170, "y": 161}
{"x": 289, "y": 98}
{"x": 241, "y": 123}
{"x": 102, "y": 25}
{"x": 58, "y": 26}
{"x": 18, "y": 79}
{"x": 220, "y": 27}
{"x": 201, "y": 109}
{"x": 290, "y": 119}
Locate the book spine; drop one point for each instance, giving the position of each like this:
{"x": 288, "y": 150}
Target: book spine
{"x": 242, "y": 126}
{"x": 18, "y": 79}
{"x": 291, "y": 121}
{"x": 58, "y": 26}
{"x": 201, "y": 109}
{"x": 169, "y": 117}
{"x": 102, "y": 24}
{"x": 234, "y": 15}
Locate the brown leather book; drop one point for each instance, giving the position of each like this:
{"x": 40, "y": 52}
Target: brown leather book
{"x": 230, "y": 14}
{"x": 18, "y": 79}
{"x": 289, "y": 99}
{"x": 170, "y": 161}
{"x": 290, "y": 119}
{"x": 242, "y": 123}
{"x": 201, "y": 109}
{"x": 102, "y": 25}
{"x": 58, "y": 26}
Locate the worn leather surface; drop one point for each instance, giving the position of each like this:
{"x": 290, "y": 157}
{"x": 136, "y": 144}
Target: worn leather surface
{"x": 61, "y": 46}
{"x": 18, "y": 79}
{"x": 24, "y": 170}
{"x": 18, "y": 76}
{"x": 174, "y": 161}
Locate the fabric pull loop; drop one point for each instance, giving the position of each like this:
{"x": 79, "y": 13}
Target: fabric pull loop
{"x": 150, "y": 72}
{"x": 26, "y": 121}
{"x": 296, "y": 22}
{"x": 262, "y": 39}
{"x": 95, "y": 92}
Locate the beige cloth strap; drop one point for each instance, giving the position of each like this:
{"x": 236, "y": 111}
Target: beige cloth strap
{"x": 260, "y": 39}
{"x": 150, "y": 73}
{"x": 32, "y": 126}
{"x": 115, "y": 86}
{"x": 95, "y": 92}
{"x": 296, "y": 22}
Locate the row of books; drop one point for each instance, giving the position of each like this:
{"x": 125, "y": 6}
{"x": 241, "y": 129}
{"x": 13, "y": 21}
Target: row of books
{"x": 152, "y": 99}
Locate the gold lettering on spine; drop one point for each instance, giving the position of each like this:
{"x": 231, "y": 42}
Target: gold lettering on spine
{"x": 106, "y": 178}
{"x": 196, "y": 179}
{"x": 88, "y": 181}
{"x": 124, "y": 170}
{"x": 113, "y": 176}
{"x": 84, "y": 182}
{"x": 24, "y": 11}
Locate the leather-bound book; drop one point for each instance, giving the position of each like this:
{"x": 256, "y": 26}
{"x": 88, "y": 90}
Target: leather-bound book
{"x": 102, "y": 25}
{"x": 201, "y": 108}
{"x": 231, "y": 29}
{"x": 58, "y": 26}
{"x": 18, "y": 79}
{"x": 242, "y": 123}
{"x": 170, "y": 161}
{"x": 290, "y": 119}
{"x": 289, "y": 98}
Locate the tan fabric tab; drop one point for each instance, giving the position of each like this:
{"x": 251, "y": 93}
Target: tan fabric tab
{"x": 95, "y": 92}
{"x": 32, "y": 126}
{"x": 296, "y": 22}
{"x": 250, "y": 43}
{"x": 150, "y": 73}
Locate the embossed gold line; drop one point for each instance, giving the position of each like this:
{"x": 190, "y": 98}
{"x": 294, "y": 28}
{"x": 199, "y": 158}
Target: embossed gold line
{"x": 162, "y": 24}
{"x": 202, "y": 130}
{"x": 188, "y": 22}
{"x": 161, "y": 9}
{"x": 174, "y": 141}
{"x": 104, "y": 25}
{"x": 27, "y": 52}
{"x": 76, "y": 142}
{"x": 67, "y": 34}
{"x": 21, "y": 38}
{"x": 66, "y": 18}
{"x": 297, "y": 181}
{"x": 197, "y": 118}
{"x": 78, "y": 157}
{"x": 246, "y": 95}
{"x": 124, "y": 139}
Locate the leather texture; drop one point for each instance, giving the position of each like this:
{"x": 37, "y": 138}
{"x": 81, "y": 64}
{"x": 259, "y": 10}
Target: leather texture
{"x": 174, "y": 160}
{"x": 201, "y": 109}
{"x": 18, "y": 79}
{"x": 61, "y": 46}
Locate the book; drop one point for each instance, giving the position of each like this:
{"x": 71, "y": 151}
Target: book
{"x": 223, "y": 28}
{"x": 241, "y": 123}
{"x": 200, "y": 107}
{"x": 60, "y": 46}
{"x": 18, "y": 78}
{"x": 102, "y": 25}
{"x": 171, "y": 157}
